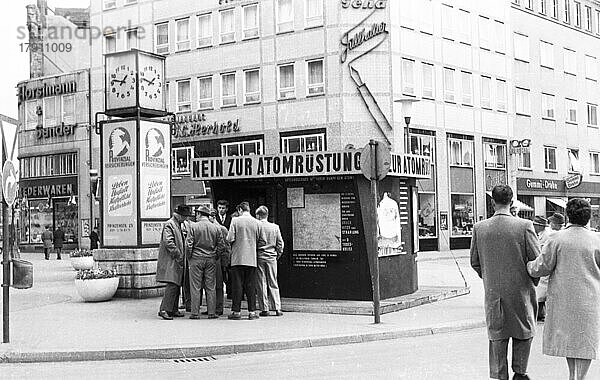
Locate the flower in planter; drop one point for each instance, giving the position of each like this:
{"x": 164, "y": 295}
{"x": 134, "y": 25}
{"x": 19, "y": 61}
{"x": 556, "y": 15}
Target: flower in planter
{"x": 94, "y": 274}
{"x": 81, "y": 253}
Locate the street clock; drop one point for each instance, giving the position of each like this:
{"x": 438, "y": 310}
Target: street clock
{"x": 134, "y": 82}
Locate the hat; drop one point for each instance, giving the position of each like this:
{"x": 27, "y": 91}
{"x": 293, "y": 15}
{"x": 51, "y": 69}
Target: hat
{"x": 213, "y": 212}
{"x": 184, "y": 210}
{"x": 203, "y": 210}
{"x": 557, "y": 218}
{"x": 540, "y": 220}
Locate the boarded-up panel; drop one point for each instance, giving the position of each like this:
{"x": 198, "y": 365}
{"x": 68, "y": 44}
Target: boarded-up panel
{"x": 324, "y": 235}
{"x": 461, "y": 180}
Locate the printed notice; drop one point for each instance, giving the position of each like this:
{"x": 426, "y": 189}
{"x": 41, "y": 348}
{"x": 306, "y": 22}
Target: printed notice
{"x": 155, "y": 169}
{"x": 120, "y": 195}
{"x": 317, "y": 226}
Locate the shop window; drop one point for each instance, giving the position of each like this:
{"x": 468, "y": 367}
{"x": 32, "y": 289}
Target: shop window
{"x": 251, "y": 21}
{"x": 162, "y": 38}
{"x": 548, "y": 106}
{"x": 522, "y": 105}
{"x": 449, "y": 84}
{"x": 110, "y": 43}
{"x": 495, "y": 155}
{"x": 252, "y": 86}
{"x": 591, "y": 71}
{"x": 181, "y": 159}
{"x": 571, "y": 108}
{"x": 242, "y": 148}
{"x": 550, "y": 158}
{"x": 65, "y": 216}
{"x": 68, "y": 109}
{"x": 501, "y": 95}
{"x": 427, "y": 216}
{"x": 40, "y": 216}
{"x": 205, "y": 94}
{"x": 205, "y": 31}
{"x": 285, "y": 16}
{"x": 132, "y": 39}
{"x": 51, "y": 111}
{"x": 428, "y": 81}
{"x": 461, "y": 152}
{"x": 595, "y": 162}
{"x": 521, "y": 43}
{"x": 408, "y": 76}
{"x": 31, "y": 114}
{"x": 316, "y": 78}
{"x": 314, "y": 13}
{"x": 592, "y": 115}
{"x": 462, "y": 214}
{"x": 228, "y": 93}
{"x": 467, "y": 88}
{"x": 570, "y": 61}
{"x": 574, "y": 165}
{"x": 286, "y": 81}
{"x": 486, "y": 92}
{"x": 526, "y": 213}
{"x": 303, "y": 143}
{"x": 227, "y": 26}
{"x": 183, "y": 96}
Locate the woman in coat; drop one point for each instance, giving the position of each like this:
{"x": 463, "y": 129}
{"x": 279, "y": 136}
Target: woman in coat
{"x": 571, "y": 259}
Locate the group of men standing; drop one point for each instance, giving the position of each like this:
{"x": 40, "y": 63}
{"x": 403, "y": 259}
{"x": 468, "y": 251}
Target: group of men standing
{"x": 218, "y": 249}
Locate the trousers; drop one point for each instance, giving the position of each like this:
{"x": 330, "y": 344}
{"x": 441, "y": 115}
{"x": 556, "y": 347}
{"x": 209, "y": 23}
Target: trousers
{"x": 203, "y": 276}
{"x": 170, "y": 298}
{"x": 266, "y": 285}
{"x": 243, "y": 280}
{"x": 498, "y": 350}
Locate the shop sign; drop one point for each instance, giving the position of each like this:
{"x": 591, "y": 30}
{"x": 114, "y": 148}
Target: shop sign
{"x": 56, "y": 131}
{"x": 195, "y": 124}
{"x": 410, "y": 165}
{"x": 494, "y": 178}
{"x": 573, "y": 181}
{"x": 48, "y": 190}
{"x": 27, "y": 93}
{"x": 540, "y": 184}
{"x": 359, "y": 38}
{"x": 363, "y": 4}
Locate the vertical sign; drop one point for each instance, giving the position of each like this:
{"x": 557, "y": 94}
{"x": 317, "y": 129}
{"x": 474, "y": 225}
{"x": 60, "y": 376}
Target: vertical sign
{"x": 119, "y": 171}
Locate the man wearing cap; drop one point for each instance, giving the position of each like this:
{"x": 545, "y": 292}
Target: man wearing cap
{"x": 557, "y": 221}
{"x": 205, "y": 244}
{"x": 501, "y": 247}
{"x": 169, "y": 269}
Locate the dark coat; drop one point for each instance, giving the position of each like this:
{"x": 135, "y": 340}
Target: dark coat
{"x": 500, "y": 249}
{"x": 59, "y": 238}
{"x": 94, "y": 239}
{"x": 170, "y": 254}
{"x": 47, "y": 238}
{"x": 226, "y": 222}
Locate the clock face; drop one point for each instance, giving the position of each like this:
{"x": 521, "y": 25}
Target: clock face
{"x": 122, "y": 82}
{"x": 151, "y": 82}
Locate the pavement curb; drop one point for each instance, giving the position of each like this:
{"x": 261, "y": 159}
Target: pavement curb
{"x": 229, "y": 349}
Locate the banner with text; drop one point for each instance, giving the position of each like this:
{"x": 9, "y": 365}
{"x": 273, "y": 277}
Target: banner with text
{"x": 155, "y": 169}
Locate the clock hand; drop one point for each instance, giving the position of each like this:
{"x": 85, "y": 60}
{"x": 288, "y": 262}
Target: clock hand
{"x": 146, "y": 80}
{"x": 123, "y": 80}
{"x": 151, "y": 82}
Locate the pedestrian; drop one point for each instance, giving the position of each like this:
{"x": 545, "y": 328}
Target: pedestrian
{"x": 571, "y": 259}
{"x": 59, "y": 239}
{"x": 514, "y": 211}
{"x": 500, "y": 248}
{"x": 540, "y": 225}
{"x": 557, "y": 221}
{"x": 204, "y": 244}
{"x": 47, "y": 237}
{"x": 270, "y": 249}
{"x": 243, "y": 236}
{"x": 222, "y": 261}
{"x": 185, "y": 285}
{"x": 169, "y": 269}
{"x": 224, "y": 219}
{"x": 94, "y": 239}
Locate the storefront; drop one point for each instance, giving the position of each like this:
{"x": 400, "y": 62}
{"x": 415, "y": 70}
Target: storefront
{"x": 422, "y": 142}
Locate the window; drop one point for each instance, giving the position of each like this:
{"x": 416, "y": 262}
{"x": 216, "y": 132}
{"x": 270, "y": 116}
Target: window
{"x": 287, "y": 86}
{"x": 313, "y": 13}
{"x": 409, "y": 15}
{"x": 500, "y": 36}
{"x": 577, "y": 14}
{"x": 464, "y": 26}
{"x": 516, "y": 2}
{"x": 521, "y": 47}
{"x": 550, "y": 158}
{"x": 555, "y": 9}
{"x": 571, "y": 109}
{"x": 168, "y": 97}
{"x": 42, "y": 166}
{"x": 132, "y": 39}
{"x": 546, "y": 54}
{"x": 205, "y": 30}
{"x": 228, "y": 93}
{"x": 447, "y": 22}
{"x": 467, "y": 88}
{"x": 495, "y": 155}
{"x": 588, "y": 18}
{"x": 484, "y": 33}
{"x": 183, "y": 34}
{"x": 304, "y": 143}
{"x": 592, "y": 115}
{"x": 205, "y": 93}
{"x": 501, "y": 94}
{"x": 547, "y": 106}
{"x": 285, "y": 16}
{"x": 463, "y": 214}
{"x": 590, "y": 68}
{"x": 110, "y": 4}
{"x": 31, "y": 116}
{"x": 127, "y": 2}
{"x": 594, "y": 163}
{"x": 524, "y": 159}
{"x": 183, "y": 96}
{"x": 252, "y": 86}
{"x": 486, "y": 92}
{"x": 425, "y": 17}
{"x": 227, "y": 25}
{"x": 316, "y": 80}
{"x": 250, "y": 21}
{"x": 428, "y": 81}
{"x": 574, "y": 165}
{"x": 570, "y": 61}
{"x": 51, "y": 111}
{"x": 110, "y": 43}
{"x": 543, "y": 7}
{"x": 522, "y": 105}
{"x": 162, "y": 38}
{"x": 529, "y": 4}
{"x": 408, "y": 76}
{"x": 567, "y": 18}
{"x": 461, "y": 152}
{"x": 448, "y": 84}
{"x": 68, "y": 109}
{"x": 181, "y": 159}
{"x": 243, "y": 148}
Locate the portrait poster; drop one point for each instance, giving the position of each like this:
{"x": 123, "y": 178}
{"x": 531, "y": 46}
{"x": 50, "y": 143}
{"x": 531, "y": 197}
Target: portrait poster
{"x": 155, "y": 170}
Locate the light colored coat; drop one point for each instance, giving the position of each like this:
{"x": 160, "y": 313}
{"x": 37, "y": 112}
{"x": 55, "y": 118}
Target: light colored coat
{"x": 500, "y": 249}
{"x": 571, "y": 258}
{"x": 243, "y": 236}
{"x": 270, "y": 242}
{"x": 170, "y": 254}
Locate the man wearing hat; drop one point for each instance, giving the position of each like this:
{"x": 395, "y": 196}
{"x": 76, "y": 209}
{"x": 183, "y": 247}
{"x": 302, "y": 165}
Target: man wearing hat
{"x": 171, "y": 253}
{"x": 204, "y": 243}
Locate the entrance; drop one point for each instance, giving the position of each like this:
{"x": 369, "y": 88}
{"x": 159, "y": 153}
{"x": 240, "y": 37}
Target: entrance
{"x": 256, "y": 193}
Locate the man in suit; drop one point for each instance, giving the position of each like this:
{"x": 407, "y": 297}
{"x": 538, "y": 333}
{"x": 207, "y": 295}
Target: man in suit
{"x": 501, "y": 246}
{"x": 270, "y": 249}
{"x": 59, "y": 238}
{"x": 243, "y": 236}
{"x": 222, "y": 261}
{"x": 47, "y": 237}
{"x": 224, "y": 219}
{"x": 169, "y": 268}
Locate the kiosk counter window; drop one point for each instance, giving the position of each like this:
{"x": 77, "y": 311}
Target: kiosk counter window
{"x": 462, "y": 214}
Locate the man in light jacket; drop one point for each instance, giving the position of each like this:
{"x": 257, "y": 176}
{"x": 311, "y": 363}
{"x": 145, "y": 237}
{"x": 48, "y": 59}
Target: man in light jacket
{"x": 270, "y": 249}
{"x": 501, "y": 246}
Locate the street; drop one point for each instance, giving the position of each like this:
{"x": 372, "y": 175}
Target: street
{"x": 461, "y": 355}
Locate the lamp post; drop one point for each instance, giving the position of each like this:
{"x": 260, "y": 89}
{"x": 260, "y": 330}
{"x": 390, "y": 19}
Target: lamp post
{"x": 406, "y": 104}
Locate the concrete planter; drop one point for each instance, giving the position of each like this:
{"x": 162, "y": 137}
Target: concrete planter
{"x": 96, "y": 290}
{"x": 84, "y": 262}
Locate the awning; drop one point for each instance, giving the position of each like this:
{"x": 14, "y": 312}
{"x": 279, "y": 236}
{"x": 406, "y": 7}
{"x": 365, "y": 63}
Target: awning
{"x": 517, "y": 203}
{"x": 558, "y": 201}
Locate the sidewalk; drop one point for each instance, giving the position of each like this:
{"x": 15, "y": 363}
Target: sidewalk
{"x": 50, "y": 322}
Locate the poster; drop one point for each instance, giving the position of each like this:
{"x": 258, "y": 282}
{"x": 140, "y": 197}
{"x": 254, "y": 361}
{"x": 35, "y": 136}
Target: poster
{"x": 295, "y": 197}
{"x": 155, "y": 170}
{"x": 389, "y": 229}
{"x": 151, "y": 232}
{"x": 119, "y": 168}
{"x": 317, "y": 226}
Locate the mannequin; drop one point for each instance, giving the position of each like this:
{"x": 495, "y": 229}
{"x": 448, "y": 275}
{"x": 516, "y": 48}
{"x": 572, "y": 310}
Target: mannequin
{"x": 388, "y": 223}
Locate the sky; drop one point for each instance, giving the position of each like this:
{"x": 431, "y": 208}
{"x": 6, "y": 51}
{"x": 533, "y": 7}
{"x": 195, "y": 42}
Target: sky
{"x": 15, "y": 63}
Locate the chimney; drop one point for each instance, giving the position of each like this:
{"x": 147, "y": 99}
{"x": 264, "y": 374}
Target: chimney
{"x": 36, "y": 56}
